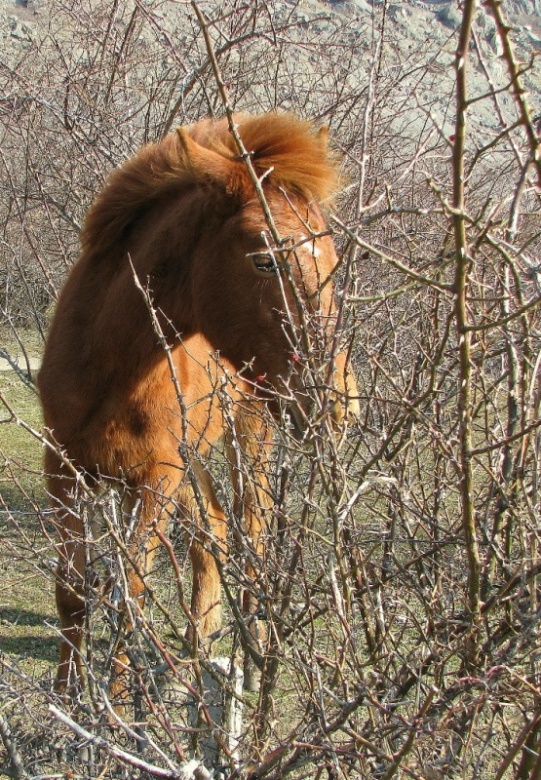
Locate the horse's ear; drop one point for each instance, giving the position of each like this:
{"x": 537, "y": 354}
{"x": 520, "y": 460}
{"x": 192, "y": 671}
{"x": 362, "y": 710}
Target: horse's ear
{"x": 323, "y": 137}
{"x": 210, "y": 167}
{"x": 203, "y": 162}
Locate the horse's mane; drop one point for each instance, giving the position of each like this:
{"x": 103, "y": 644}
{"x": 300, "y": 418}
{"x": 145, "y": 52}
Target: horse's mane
{"x": 283, "y": 149}
{"x": 288, "y": 147}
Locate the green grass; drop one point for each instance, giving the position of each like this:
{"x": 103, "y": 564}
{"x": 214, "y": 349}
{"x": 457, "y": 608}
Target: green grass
{"x": 26, "y": 589}
{"x": 20, "y": 451}
{"x": 27, "y": 340}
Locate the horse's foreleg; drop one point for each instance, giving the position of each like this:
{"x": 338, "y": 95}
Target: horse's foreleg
{"x": 204, "y": 523}
{"x": 144, "y": 510}
{"x": 249, "y": 447}
{"x": 206, "y": 530}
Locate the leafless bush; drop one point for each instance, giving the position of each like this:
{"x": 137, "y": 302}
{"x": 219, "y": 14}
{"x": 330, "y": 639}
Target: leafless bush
{"x": 400, "y": 580}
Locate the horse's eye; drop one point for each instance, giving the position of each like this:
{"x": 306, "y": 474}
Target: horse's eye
{"x": 265, "y": 262}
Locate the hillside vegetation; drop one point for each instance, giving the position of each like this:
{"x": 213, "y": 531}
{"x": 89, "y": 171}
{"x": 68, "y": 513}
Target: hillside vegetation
{"x": 400, "y": 583}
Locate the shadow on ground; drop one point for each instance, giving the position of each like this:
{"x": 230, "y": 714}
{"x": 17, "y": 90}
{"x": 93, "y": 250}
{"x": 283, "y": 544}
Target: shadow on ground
{"x": 14, "y": 640}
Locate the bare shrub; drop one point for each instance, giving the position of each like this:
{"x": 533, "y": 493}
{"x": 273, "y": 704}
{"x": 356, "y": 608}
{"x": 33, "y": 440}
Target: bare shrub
{"x": 400, "y": 580}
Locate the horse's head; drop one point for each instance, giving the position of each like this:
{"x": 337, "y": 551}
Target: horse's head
{"x": 269, "y": 306}
{"x": 291, "y": 326}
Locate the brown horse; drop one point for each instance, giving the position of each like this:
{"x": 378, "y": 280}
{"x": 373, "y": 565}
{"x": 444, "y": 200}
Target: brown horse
{"x": 177, "y": 244}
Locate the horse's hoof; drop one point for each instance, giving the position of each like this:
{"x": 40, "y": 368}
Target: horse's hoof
{"x": 68, "y": 692}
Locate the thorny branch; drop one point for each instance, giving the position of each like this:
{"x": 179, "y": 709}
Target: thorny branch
{"x": 399, "y": 582}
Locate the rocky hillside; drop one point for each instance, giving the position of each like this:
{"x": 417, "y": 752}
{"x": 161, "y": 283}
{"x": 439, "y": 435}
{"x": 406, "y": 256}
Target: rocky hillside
{"x": 24, "y": 20}
{"x": 419, "y": 31}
